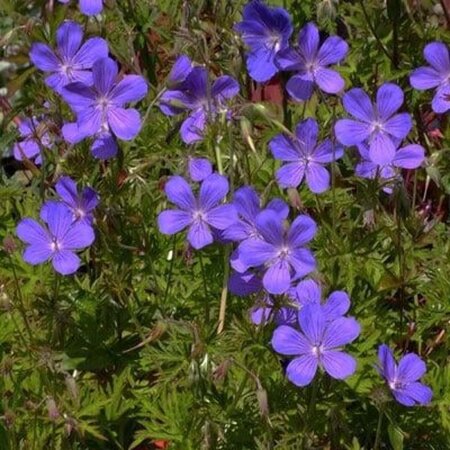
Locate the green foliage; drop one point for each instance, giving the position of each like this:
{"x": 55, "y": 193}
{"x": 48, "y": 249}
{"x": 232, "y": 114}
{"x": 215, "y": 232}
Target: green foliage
{"x": 126, "y": 352}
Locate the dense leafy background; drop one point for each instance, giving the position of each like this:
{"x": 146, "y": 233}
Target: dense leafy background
{"x": 126, "y": 354}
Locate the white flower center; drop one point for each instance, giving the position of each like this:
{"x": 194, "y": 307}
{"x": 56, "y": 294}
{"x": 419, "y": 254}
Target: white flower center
{"x": 55, "y": 245}
{"x": 199, "y": 216}
{"x": 317, "y": 350}
{"x": 284, "y": 251}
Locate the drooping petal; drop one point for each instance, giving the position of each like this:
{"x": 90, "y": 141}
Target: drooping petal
{"x": 317, "y": 177}
{"x": 302, "y": 230}
{"x": 410, "y": 368}
{"x": 329, "y": 80}
{"x": 437, "y": 55}
{"x": 308, "y": 41}
{"x": 387, "y": 366}
{"x": 193, "y": 127}
{"x": 366, "y": 169}
{"x": 358, "y": 104}
{"x": 351, "y": 132}
{"x": 92, "y": 50}
{"x": 340, "y": 332}
{"x": 307, "y": 132}
{"x": 43, "y": 57}
{"x": 425, "y": 78}
{"x": 261, "y": 64}
{"x": 301, "y": 371}
{"x": 224, "y": 87}
{"x": 312, "y": 323}
{"x": 308, "y": 291}
{"x": 338, "y": 365}
{"x": 80, "y": 235}
{"x": 26, "y": 149}
{"x": 180, "y": 193}
{"x": 389, "y": 100}
{"x": 124, "y": 123}
{"x": 244, "y": 284}
{"x": 255, "y": 252}
{"x": 332, "y": 51}
{"x": 382, "y": 149}
{"x": 199, "y": 168}
{"x": 68, "y": 38}
{"x": 289, "y": 59}
{"x": 327, "y": 152}
{"x": 89, "y": 199}
{"x": 172, "y": 221}
{"x": 409, "y": 157}
{"x": 403, "y": 398}
{"x": 337, "y": 304}
{"x": 91, "y": 7}
{"x": 290, "y": 175}
{"x": 66, "y": 262}
{"x": 270, "y": 226}
{"x": 222, "y": 216}
{"x": 199, "y": 235}
{"x": 284, "y": 148}
{"x": 104, "y": 73}
{"x": 32, "y": 232}
{"x": 288, "y": 341}
{"x": 131, "y": 88}
{"x": 277, "y": 278}
{"x": 104, "y": 147}
{"x": 303, "y": 262}
{"x": 399, "y": 125}
{"x": 180, "y": 70}
{"x": 174, "y": 102}
{"x": 299, "y": 88}
{"x": 212, "y": 191}
{"x": 37, "y": 253}
{"x": 419, "y": 392}
{"x": 441, "y": 101}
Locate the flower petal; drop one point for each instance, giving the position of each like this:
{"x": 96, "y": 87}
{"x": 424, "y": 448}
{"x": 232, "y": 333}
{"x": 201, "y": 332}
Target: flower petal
{"x": 66, "y": 262}
{"x": 301, "y": 371}
{"x": 180, "y": 193}
{"x": 312, "y": 323}
{"x": 59, "y": 219}
{"x": 222, "y": 216}
{"x": 437, "y": 55}
{"x": 246, "y": 201}
{"x": 409, "y": 157}
{"x": 43, "y": 57}
{"x": 131, "y": 88}
{"x": 37, "y": 253}
{"x": 308, "y": 291}
{"x": 89, "y": 122}
{"x": 425, "y": 78}
{"x": 338, "y": 365}
{"x": 91, "y": 7}
{"x": 104, "y": 147}
{"x": 172, "y": 221}
{"x": 277, "y": 278}
{"x": 199, "y": 168}
{"x": 261, "y": 64}
{"x": 68, "y": 38}
{"x": 307, "y": 132}
{"x": 92, "y": 50}
{"x": 290, "y": 175}
{"x": 410, "y": 368}
{"x": 317, "y": 177}
{"x": 358, "y": 104}
{"x": 399, "y": 125}
{"x": 180, "y": 70}
{"x": 303, "y": 262}
{"x": 284, "y": 148}
{"x": 308, "y": 41}
{"x": 68, "y": 191}
{"x": 78, "y": 96}
{"x": 212, "y": 191}
{"x": 32, "y": 232}
{"x": 225, "y": 87}
{"x": 302, "y": 230}
{"x": 255, "y": 252}
{"x": 193, "y": 127}
{"x": 327, "y": 152}
{"x": 337, "y": 304}
{"x": 104, "y": 73}
{"x": 270, "y": 226}
{"x": 419, "y": 392}
{"x": 332, "y": 51}
{"x": 441, "y": 101}
{"x": 289, "y": 59}
{"x": 329, "y": 80}
{"x": 340, "y": 332}
{"x": 199, "y": 235}
{"x": 243, "y": 284}
{"x": 288, "y": 341}
{"x": 124, "y": 123}
{"x": 382, "y": 149}
{"x": 390, "y": 98}
{"x": 387, "y": 366}
{"x": 351, "y": 132}
{"x": 299, "y": 88}
{"x": 80, "y": 235}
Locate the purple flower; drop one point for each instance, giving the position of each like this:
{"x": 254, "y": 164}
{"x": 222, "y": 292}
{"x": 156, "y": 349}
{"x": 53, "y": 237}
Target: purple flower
{"x": 33, "y": 135}
{"x": 402, "y": 379}
{"x": 71, "y": 61}
{"x": 408, "y": 157}
{"x": 309, "y": 292}
{"x": 281, "y": 251}
{"x": 244, "y": 284}
{"x": 192, "y": 93}
{"x": 82, "y": 204}
{"x": 263, "y": 312}
{"x": 304, "y": 157}
{"x": 100, "y": 108}
{"x": 376, "y": 123}
{"x": 200, "y": 215}
{"x": 311, "y": 61}
{"x": 58, "y": 241}
{"x": 89, "y": 7}
{"x": 265, "y": 31}
{"x": 316, "y": 345}
{"x": 437, "y": 54}
{"x": 199, "y": 168}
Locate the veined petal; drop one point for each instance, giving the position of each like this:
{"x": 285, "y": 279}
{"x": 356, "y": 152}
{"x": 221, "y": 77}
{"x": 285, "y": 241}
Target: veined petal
{"x": 91, "y": 7}
{"x": 409, "y": 157}
{"x": 289, "y": 59}
{"x": 212, "y": 191}
{"x": 104, "y": 146}
{"x": 277, "y": 278}
{"x": 425, "y": 78}
{"x": 410, "y": 368}
{"x": 104, "y": 73}
{"x": 317, "y": 177}
{"x": 131, "y": 88}
{"x": 225, "y": 87}
{"x": 43, "y": 57}
{"x": 173, "y": 221}
{"x": 308, "y": 41}
{"x": 327, "y": 152}
{"x": 307, "y": 291}
{"x": 68, "y": 191}
{"x": 329, "y": 80}
{"x": 256, "y": 252}
{"x": 337, "y": 304}
{"x": 199, "y": 235}
{"x": 332, "y": 51}
{"x": 382, "y": 149}
{"x": 78, "y": 236}
{"x": 419, "y": 392}
{"x": 78, "y": 96}
{"x": 92, "y": 50}
{"x": 59, "y": 219}
{"x": 283, "y": 148}
{"x": 288, "y": 341}
{"x": 299, "y": 88}
{"x": 222, "y": 216}
{"x": 389, "y": 100}
{"x": 291, "y": 174}
{"x": 37, "y": 253}
{"x": 441, "y": 101}
{"x": 399, "y": 125}
{"x": 387, "y": 366}
{"x": 312, "y": 323}
{"x": 261, "y": 64}
{"x": 199, "y": 168}
{"x": 358, "y": 104}
{"x": 180, "y": 193}
{"x": 124, "y": 123}
{"x": 307, "y": 132}
{"x": 65, "y": 262}
{"x": 303, "y": 262}
{"x": 338, "y": 365}
{"x": 351, "y": 132}
{"x": 246, "y": 201}
{"x": 302, "y": 370}
{"x": 68, "y": 38}
{"x": 437, "y": 55}
{"x": 32, "y": 232}
{"x": 89, "y": 121}
{"x": 270, "y": 226}
{"x": 340, "y": 332}
{"x": 302, "y": 230}
{"x": 193, "y": 127}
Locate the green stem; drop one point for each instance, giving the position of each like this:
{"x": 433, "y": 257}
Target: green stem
{"x": 376, "y": 444}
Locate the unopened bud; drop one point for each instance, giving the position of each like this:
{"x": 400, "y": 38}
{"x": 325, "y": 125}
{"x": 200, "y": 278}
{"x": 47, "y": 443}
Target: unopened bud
{"x": 53, "y": 411}
{"x": 9, "y": 244}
